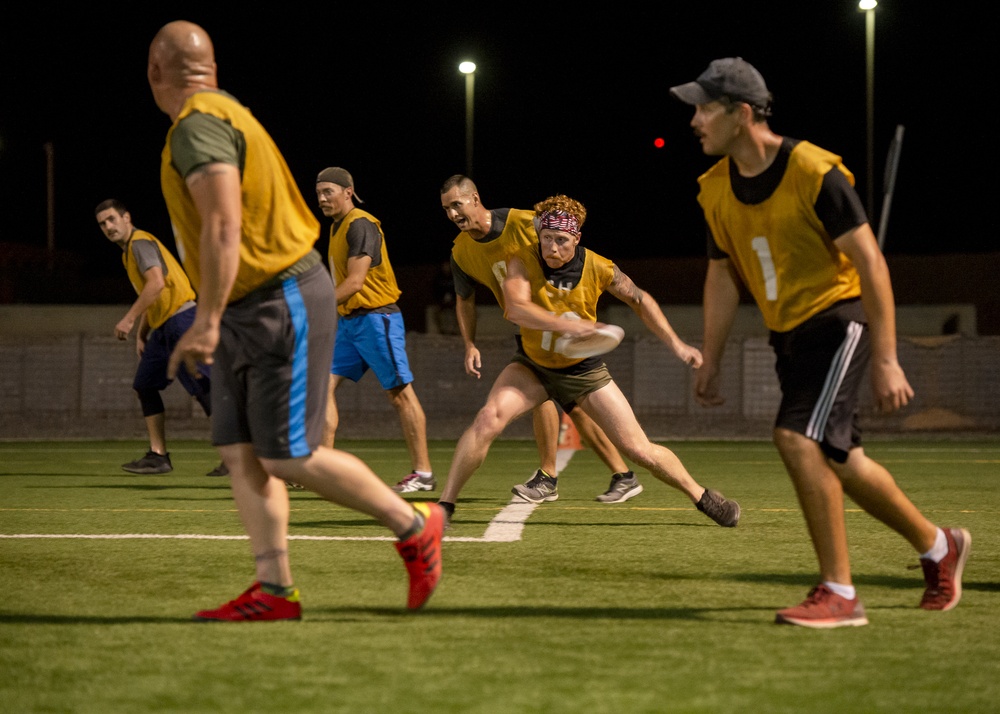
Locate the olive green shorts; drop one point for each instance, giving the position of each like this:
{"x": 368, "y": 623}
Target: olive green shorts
{"x": 566, "y": 387}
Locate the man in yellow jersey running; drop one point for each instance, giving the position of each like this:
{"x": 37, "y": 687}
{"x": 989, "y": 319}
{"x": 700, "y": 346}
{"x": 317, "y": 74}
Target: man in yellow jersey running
{"x": 785, "y": 221}
{"x": 246, "y": 236}
{"x": 477, "y": 256}
{"x": 550, "y": 290}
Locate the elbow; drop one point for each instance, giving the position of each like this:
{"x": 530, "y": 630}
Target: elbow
{"x": 513, "y": 313}
{"x": 353, "y": 287}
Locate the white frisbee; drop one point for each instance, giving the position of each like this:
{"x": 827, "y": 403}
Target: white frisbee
{"x": 602, "y": 340}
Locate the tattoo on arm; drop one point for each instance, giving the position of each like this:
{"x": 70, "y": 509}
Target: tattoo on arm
{"x": 624, "y": 289}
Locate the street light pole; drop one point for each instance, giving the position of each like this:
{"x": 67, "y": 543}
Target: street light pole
{"x": 469, "y": 70}
{"x": 868, "y": 6}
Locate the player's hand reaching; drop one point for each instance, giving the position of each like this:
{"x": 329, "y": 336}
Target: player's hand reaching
{"x": 124, "y": 327}
{"x": 891, "y": 389}
{"x": 687, "y": 354}
{"x": 473, "y": 362}
{"x": 706, "y": 386}
{"x": 195, "y": 347}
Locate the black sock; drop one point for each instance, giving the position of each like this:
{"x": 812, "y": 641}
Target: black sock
{"x": 448, "y": 507}
{"x": 415, "y": 527}
{"x": 278, "y": 590}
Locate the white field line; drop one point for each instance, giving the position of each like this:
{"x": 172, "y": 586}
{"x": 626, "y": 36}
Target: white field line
{"x": 506, "y": 527}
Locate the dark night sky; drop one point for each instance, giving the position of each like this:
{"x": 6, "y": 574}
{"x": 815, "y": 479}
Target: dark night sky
{"x": 564, "y": 103}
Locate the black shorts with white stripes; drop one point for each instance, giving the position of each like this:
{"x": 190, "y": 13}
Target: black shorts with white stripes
{"x": 821, "y": 365}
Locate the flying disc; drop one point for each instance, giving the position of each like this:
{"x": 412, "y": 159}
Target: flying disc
{"x": 602, "y": 340}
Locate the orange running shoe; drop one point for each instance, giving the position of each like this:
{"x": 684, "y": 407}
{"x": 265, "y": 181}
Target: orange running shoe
{"x": 422, "y": 555}
{"x": 255, "y": 604}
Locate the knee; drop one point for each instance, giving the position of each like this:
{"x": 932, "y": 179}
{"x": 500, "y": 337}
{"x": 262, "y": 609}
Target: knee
{"x": 400, "y": 397}
{"x": 489, "y": 423}
{"x": 790, "y": 443}
{"x": 641, "y": 453}
{"x": 150, "y": 401}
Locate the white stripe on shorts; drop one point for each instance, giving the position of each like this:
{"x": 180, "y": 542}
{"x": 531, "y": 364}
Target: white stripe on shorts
{"x": 834, "y": 378}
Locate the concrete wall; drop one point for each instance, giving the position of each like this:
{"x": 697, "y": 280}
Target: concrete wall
{"x": 62, "y": 375}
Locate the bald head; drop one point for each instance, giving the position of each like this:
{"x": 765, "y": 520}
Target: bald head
{"x": 181, "y": 61}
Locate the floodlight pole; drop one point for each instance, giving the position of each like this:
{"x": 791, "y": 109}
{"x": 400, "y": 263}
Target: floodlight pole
{"x": 469, "y": 70}
{"x": 868, "y": 6}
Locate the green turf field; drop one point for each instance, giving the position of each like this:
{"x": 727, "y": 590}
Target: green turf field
{"x": 645, "y": 606}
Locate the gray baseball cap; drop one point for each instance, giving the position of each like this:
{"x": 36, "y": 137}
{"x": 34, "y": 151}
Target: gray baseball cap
{"x": 339, "y": 176}
{"x": 731, "y": 77}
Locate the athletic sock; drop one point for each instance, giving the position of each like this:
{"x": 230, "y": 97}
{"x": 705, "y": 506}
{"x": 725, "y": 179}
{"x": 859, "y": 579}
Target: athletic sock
{"x": 845, "y": 591}
{"x": 415, "y": 527}
{"x": 423, "y": 474}
{"x": 448, "y": 507}
{"x": 939, "y": 549}
{"x": 277, "y": 590}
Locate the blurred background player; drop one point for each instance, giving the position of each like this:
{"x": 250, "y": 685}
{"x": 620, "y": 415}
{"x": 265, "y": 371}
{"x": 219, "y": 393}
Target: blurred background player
{"x": 478, "y": 255}
{"x": 164, "y": 310}
{"x": 551, "y": 290}
{"x": 370, "y": 329}
{"x": 785, "y": 221}
{"x": 264, "y": 321}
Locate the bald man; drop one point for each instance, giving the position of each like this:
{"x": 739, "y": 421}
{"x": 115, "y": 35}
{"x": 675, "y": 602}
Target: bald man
{"x": 263, "y": 321}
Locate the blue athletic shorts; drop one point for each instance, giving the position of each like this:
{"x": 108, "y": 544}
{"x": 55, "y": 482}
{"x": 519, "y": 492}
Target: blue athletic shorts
{"x": 152, "y": 370}
{"x": 374, "y": 341}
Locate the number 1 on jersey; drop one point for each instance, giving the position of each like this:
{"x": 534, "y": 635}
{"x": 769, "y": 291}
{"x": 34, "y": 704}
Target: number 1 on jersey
{"x": 763, "y": 251}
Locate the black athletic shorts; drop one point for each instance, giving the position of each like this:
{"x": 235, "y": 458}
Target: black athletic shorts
{"x": 821, "y": 365}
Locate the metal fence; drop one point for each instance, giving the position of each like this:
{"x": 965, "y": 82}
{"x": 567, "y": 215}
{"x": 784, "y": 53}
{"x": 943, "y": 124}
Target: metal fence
{"x": 80, "y": 386}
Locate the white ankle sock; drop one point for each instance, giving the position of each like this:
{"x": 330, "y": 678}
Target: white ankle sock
{"x": 424, "y": 474}
{"x": 845, "y": 591}
{"x": 940, "y": 548}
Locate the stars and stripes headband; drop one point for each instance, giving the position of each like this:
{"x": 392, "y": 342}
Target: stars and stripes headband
{"x": 559, "y": 221}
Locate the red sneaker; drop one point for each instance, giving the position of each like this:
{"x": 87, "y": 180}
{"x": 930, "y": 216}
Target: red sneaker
{"x": 824, "y": 609}
{"x": 422, "y": 555}
{"x": 944, "y": 579}
{"x": 255, "y": 604}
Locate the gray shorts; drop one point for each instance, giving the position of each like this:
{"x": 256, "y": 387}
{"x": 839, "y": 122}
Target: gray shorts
{"x": 272, "y": 367}
{"x": 566, "y": 387}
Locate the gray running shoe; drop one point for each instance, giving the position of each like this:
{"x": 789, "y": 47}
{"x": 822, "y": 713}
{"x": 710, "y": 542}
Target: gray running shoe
{"x": 719, "y": 508}
{"x": 539, "y": 489}
{"x": 415, "y": 482}
{"x": 151, "y": 463}
{"x": 623, "y": 487}
{"x": 220, "y": 470}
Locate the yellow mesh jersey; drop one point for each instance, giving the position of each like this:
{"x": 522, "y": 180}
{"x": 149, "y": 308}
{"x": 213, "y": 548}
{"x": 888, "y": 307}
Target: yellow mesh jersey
{"x": 277, "y": 228}
{"x": 487, "y": 262}
{"x": 578, "y": 302}
{"x": 379, "y": 288}
{"x": 779, "y": 247}
{"x": 177, "y": 288}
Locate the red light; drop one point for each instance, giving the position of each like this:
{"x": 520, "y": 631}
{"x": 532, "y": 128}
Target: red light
{"x": 658, "y": 142}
